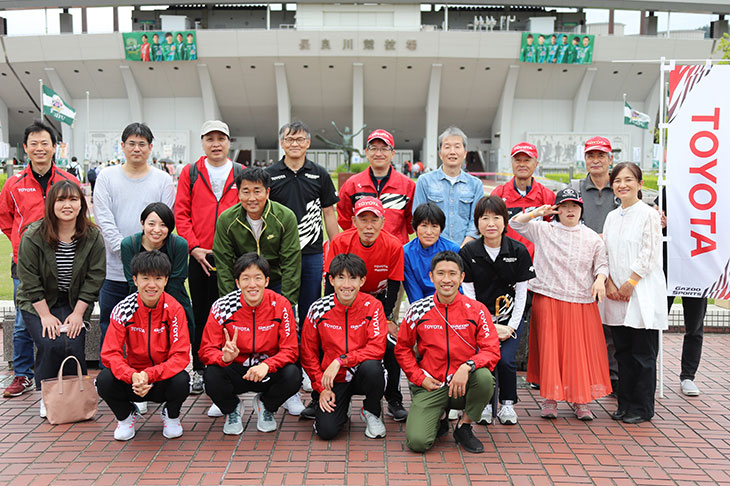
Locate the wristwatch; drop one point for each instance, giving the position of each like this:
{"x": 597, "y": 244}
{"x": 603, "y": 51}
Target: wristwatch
{"x": 471, "y": 364}
{"x": 343, "y": 360}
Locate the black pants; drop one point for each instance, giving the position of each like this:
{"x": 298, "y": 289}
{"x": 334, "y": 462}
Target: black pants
{"x": 119, "y": 395}
{"x": 369, "y": 380}
{"x": 203, "y": 292}
{"x": 694, "y": 330}
{"x": 51, "y": 352}
{"x": 223, "y": 384}
{"x": 392, "y": 388}
{"x": 636, "y": 353}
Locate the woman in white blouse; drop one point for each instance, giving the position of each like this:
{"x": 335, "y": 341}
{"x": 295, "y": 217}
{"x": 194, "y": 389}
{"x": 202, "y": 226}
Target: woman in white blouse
{"x": 636, "y": 304}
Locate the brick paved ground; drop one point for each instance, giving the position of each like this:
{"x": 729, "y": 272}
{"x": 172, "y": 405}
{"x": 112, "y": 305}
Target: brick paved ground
{"x": 688, "y": 442}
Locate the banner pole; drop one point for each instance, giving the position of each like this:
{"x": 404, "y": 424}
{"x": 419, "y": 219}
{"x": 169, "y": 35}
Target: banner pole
{"x": 660, "y": 186}
{"x": 40, "y": 91}
{"x": 88, "y": 129}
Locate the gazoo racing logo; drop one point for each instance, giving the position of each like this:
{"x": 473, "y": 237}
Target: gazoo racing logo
{"x": 460, "y": 327}
{"x": 159, "y": 330}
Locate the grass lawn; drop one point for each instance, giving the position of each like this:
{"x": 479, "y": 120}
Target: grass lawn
{"x": 6, "y": 283}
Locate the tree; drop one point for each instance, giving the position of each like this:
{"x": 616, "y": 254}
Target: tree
{"x": 724, "y": 46}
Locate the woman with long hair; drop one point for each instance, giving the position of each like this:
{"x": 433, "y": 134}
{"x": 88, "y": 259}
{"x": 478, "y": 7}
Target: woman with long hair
{"x": 61, "y": 266}
{"x": 636, "y": 293}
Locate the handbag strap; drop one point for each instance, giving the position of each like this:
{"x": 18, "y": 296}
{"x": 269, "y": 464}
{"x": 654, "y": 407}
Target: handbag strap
{"x": 78, "y": 373}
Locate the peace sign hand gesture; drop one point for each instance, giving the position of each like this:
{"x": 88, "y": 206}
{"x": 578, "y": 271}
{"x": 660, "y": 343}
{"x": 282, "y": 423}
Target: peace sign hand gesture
{"x": 230, "y": 349}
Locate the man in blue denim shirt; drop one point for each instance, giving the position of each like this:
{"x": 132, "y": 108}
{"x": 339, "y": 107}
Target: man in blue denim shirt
{"x": 452, "y": 189}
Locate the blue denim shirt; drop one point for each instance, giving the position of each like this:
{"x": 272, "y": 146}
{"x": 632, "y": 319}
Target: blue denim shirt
{"x": 457, "y": 201}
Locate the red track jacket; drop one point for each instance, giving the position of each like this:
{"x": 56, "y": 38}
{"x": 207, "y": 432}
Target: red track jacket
{"x": 266, "y": 333}
{"x": 195, "y": 217}
{"x": 156, "y": 340}
{"x": 357, "y": 331}
{"x": 447, "y": 336}
{"x": 22, "y": 202}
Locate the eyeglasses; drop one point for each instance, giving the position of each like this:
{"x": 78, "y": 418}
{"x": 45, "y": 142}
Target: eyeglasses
{"x": 382, "y": 150}
{"x": 133, "y": 145}
{"x": 292, "y": 140}
{"x": 43, "y": 144}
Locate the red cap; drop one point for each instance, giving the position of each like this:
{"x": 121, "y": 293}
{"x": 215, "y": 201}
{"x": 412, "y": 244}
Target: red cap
{"x": 598, "y": 143}
{"x": 525, "y": 148}
{"x": 371, "y": 204}
{"x": 383, "y": 135}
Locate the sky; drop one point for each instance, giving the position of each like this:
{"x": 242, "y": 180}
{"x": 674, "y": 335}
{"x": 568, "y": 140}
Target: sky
{"x": 35, "y": 22}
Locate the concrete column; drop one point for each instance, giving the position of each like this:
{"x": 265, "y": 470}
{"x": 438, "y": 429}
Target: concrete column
{"x": 580, "y": 101}
{"x": 429, "y": 152}
{"x": 115, "y": 19}
{"x": 134, "y": 95}
{"x": 642, "y": 23}
{"x": 652, "y": 24}
{"x": 4, "y": 128}
{"x": 3, "y": 26}
{"x": 283, "y": 101}
{"x": 611, "y": 21}
{"x": 84, "y": 21}
{"x": 358, "y": 105}
{"x": 66, "y": 22}
{"x": 502, "y": 139}
{"x": 58, "y": 86}
{"x": 211, "y": 110}
{"x": 651, "y": 105}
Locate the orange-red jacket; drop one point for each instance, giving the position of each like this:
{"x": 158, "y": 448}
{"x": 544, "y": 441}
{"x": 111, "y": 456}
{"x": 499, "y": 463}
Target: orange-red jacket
{"x": 156, "y": 340}
{"x": 22, "y": 202}
{"x": 195, "y": 216}
{"x": 266, "y": 333}
{"x": 447, "y": 336}
{"x": 357, "y": 331}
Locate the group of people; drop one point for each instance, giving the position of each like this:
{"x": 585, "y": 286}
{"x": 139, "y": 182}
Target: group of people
{"x": 250, "y": 244}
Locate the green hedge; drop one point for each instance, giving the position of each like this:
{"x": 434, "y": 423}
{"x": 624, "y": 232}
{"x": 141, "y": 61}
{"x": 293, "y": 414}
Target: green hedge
{"x": 355, "y": 168}
{"x": 3, "y": 178}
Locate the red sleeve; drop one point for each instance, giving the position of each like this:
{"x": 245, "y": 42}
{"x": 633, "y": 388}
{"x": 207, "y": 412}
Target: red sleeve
{"x": 487, "y": 341}
{"x": 178, "y": 354}
{"x": 7, "y": 210}
{"x": 112, "y": 352}
{"x": 288, "y": 344}
{"x": 183, "y": 209}
{"x": 396, "y": 263}
{"x": 212, "y": 342}
{"x": 377, "y": 331}
{"x": 344, "y": 206}
{"x": 404, "y": 353}
{"x": 309, "y": 355}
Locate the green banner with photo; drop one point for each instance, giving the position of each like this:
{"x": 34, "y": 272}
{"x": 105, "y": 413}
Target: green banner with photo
{"x": 152, "y": 46}
{"x": 556, "y": 48}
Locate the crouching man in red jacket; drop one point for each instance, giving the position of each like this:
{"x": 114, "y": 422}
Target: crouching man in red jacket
{"x": 349, "y": 327}
{"x": 153, "y": 328}
{"x": 458, "y": 348}
{"x": 250, "y": 344}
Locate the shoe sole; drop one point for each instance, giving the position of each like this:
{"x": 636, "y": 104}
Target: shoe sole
{"x": 126, "y": 439}
{"x": 166, "y": 436}
{"x": 234, "y": 432}
{"x": 691, "y": 393}
{"x": 549, "y": 415}
{"x": 256, "y": 406}
{"x": 367, "y": 434}
{"x": 585, "y": 419}
{"x": 11, "y": 395}
{"x": 196, "y": 392}
{"x": 484, "y": 422}
{"x": 508, "y": 422}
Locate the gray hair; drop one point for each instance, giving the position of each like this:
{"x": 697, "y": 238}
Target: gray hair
{"x": 294, "y": 126}
{"x": 451, "y": 132}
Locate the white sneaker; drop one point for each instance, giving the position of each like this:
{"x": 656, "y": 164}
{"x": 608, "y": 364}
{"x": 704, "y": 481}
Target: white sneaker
{"x": 125, "y": 428}
{"x": 306, "y": 382}
{"x": 374, "y": 427}
{"x": 265, "y": 421}
{"x": 214, "y": 411}
{"x": 453, "y": 414}
{"x": 486, "y": 415}
{"x": 196, "y": 383}
{"x": 43, "y": 409}
{"x": 234, "y": 424}
{"x": 689, "y": 388}
{"x": 141, "y": 407}
{"x": 171, "y": 427}
{"x": 294, "y": 405}
{"x": 507, "y": 414}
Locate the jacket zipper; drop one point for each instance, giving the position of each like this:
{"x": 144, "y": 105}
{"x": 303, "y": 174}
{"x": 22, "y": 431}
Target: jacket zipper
{"x": 149, "y": 336}
{"x": 347, "y": 328}
{"x": 253, "y": 343}
{"x": 448, "y": 354}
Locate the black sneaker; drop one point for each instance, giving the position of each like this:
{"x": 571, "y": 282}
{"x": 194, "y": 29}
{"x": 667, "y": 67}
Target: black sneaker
{"x": 464, "y": 435}
{"x": 443, "y": 426}
{"x": 396, "y": 410}
{"x": 309, "y": 410}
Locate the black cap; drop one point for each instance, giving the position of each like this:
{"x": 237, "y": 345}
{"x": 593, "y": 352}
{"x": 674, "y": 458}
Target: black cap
{"x": 568, "y": 194}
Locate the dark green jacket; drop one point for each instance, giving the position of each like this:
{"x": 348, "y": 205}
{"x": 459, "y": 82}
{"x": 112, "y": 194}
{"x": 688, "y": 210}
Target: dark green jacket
{"x": 279, "y": 244}
{"x": 39, "y": 276}
{"x": 176, "y": 248}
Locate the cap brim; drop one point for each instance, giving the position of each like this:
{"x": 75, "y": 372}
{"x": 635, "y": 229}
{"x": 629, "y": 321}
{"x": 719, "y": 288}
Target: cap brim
{"x": 575, "y": 200}
{"x": 369, "y": 210}
{"x": 532, "y": 156}
{"x": 599, "y": 148}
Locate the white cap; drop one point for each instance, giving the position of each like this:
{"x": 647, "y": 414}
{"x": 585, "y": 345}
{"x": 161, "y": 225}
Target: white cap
{"x": 215, "y": 126}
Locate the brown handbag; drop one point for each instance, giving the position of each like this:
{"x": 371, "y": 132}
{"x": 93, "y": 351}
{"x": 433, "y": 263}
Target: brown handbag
{"x": 69, "y": 399}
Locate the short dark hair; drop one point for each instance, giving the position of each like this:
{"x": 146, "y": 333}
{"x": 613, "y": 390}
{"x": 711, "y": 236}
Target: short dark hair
{"x": 251, "y": 259}
{"x": 137, "y": 128}
{"x": 254, "y": 174}
{"x": 144, "y": 36}
{"x": 494, "y": 205}
{"x": 168, "y": 34}
{"x": 153, "y": 263}
{"x": 350, "y": 263}
{"x": 447, "y": 256}
{"x": 529, "y": 36}
{"x": 430, "y": 213}
{"x": 294, "y": 126}
{"x": 37, "y": 127}
{"x": 163, "y": 211}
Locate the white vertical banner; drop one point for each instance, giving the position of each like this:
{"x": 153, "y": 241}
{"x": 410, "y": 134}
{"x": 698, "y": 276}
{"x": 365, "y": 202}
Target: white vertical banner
{"x": 698, "y": 173}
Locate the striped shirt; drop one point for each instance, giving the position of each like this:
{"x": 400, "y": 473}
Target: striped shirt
{"x": 64, "y": 264}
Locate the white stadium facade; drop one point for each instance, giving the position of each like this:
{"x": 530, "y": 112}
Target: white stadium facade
{"x": 411, "y": 68}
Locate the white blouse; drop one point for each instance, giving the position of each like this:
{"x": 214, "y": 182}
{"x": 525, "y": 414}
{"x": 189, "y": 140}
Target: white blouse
{"x": 633, "y": 240}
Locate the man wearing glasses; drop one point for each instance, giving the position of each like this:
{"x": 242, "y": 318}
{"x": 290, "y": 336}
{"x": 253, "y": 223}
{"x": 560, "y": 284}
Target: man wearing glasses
{"x": 306, "y": 188}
